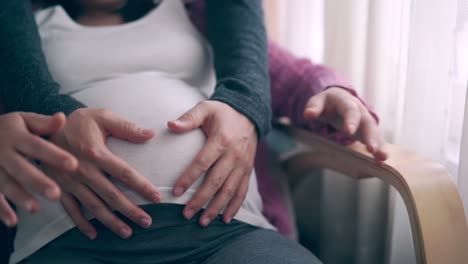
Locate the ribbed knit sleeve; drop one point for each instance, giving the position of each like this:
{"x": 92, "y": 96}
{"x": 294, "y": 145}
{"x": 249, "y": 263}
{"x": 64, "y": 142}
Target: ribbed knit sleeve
{"x": 237, "y": 34}
{"x": 25, "y": 81}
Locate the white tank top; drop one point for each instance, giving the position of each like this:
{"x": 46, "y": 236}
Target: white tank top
{"x": 149, "y": 71}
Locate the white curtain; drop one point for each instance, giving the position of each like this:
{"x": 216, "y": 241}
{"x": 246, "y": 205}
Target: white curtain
{"x": 412, "y": 69}
{"x": 409, "y": 59}
{"x": 462, "y": 72}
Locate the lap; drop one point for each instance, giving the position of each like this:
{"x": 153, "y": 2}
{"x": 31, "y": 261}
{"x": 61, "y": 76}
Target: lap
{"x": 262, "y": 247}
{"x": 172, "y": 239}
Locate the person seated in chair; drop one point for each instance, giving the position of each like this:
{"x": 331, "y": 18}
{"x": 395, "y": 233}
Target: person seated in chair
{"x": 151, "y": 89}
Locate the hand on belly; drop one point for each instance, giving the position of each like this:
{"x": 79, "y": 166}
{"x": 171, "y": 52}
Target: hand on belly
{"x": 150, "y": 100}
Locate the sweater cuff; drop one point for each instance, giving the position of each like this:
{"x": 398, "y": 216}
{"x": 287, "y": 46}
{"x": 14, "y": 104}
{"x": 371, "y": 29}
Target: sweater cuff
{"x": 235, "y": 94}
{"x": 60, "y": 103}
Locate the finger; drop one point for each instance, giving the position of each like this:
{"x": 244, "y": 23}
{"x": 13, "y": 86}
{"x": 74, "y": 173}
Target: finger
{"x": 381, "y": 155}
{"x": 192, "y": 119}
{"x": 211, "y": 185}
{"x": 44, "y": 151}
{"x": 370, "y": 135}
{"x": 351, "y": 115}
{"x": 13, "y": 191}
{"x": 238, "y": 199}
{"x": 90, "y": 201}
{"x": 128, "y": 176}
{"x": 114, "y": 198}
{"x": 124, "y": 129}
{"x": 207, "y": 156}
{"x": 315, "y": 106}
{"x": 42, "y": 124}
{"x": 223, "y": 197}
{"x": 30, "y": 177}
{"x": 73, "y": 209}
{"x": 7, "y": 215}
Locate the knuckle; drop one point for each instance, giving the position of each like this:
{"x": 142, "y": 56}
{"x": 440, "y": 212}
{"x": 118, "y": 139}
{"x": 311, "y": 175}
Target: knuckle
{"x": 126, "y": 175}
{"x": 93, "y": 152}
{"x": 8, "y": 189}
{"x": 82, "y": 173}
{"x": 215, "y": 183}
{"x": 367, "y": 117}
{"x": 203, "y": 104}
{"x": 354, "y": 105}
{"x": 32, "y": 141}
{"x": 187, "y": 117}
{"x": 95, "y": 208}
{"x": 230, "y": 192}
{"x": 225, "y": 139}
{"x": 202, "y": 163}
{"x": 16, "y": 116}
{"x": 79, "y": 114}
{"x": 240, "y": 196}
{"x": 112, "y": 197}
{"x": 102, "y": 111}
{"x": 128, "y": 126}
{"x": 239, "y": 155}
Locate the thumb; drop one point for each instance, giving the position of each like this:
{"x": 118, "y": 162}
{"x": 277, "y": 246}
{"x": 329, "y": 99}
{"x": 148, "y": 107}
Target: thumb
{"x": 124, "y": 129}
{"x": 189, "y": 121}
{"x": 42, "y": 124}
{"x": 315, "y": 106}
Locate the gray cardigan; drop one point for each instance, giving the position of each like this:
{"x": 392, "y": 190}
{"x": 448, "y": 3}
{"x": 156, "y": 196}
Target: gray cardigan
{"x": 236, "y": 31}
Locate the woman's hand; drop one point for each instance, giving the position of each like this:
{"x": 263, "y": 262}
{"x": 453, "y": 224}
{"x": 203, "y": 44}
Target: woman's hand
{"x": 227, "y": 158}
{"x": 345, "y": 112}
{"x": 19, "y": 140}
{"x": 85, "y": 135}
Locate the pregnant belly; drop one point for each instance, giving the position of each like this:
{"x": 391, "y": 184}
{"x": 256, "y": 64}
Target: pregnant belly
{"x": 150, "y": 100}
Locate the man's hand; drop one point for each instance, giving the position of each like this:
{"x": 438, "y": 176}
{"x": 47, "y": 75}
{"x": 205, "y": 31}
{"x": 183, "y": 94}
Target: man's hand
{"x": 85, "y": 135}
{"x": 345, "y": 112}
{"x": 19, "y": 140}
{"x": 227, "y": 158}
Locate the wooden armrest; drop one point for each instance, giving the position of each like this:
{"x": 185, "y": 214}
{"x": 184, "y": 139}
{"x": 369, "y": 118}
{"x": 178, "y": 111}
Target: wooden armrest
{"x": 437, "y": 218}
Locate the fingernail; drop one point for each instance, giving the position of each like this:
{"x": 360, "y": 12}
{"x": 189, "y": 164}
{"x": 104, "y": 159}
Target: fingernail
{"x": 156, "y": 197}
{"x": 178, "y": 191}
{"x": 146, "y": 132}
{"x": 70, "y": 164}
{"x": 91, "y": 235}
{"x": 7, "y": 222}
{"x": 51, "y": 193}
{"x": 228, "y": 219}
{"x": 309, "y": 111}
{"x": 352, "y": 128}
{"x": 188, "y": 213}
{"x": 145, "y": 222}
{"x": 29, "y": 205}
{"x": 372, "y": 146}
{"x": 205, "y": 221}
{"x": 125, "y": 232}
{"x": 178, "y": 122}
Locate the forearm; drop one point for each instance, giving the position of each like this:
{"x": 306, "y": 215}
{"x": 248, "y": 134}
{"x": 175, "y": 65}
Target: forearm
{"x": 237, "y": 33}
{"x": 26, "y": 84}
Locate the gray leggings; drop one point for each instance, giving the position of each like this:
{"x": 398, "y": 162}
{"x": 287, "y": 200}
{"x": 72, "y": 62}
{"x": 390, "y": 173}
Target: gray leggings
{"x": 172, "y": 239}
